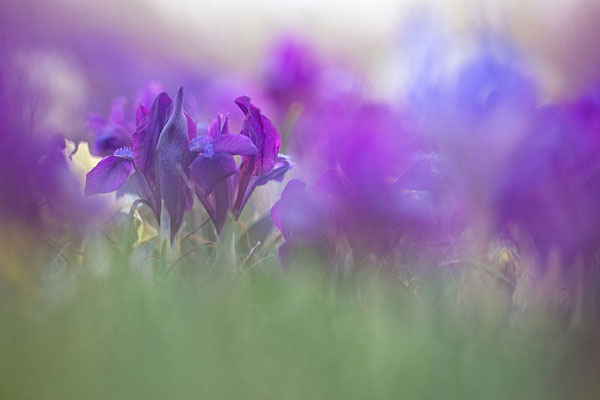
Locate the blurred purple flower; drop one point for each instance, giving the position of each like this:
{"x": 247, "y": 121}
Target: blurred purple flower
{"x": 292, "y": 71}
{"x": 112, "y": 132}
{"x": 552, "y": 190}
{"x": 477, "y": 123}
{"x": 116, "y": 130}
{"x": 301, "y": 220}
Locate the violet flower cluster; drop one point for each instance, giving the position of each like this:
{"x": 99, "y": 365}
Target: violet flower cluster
{"x": 169, "y": 159}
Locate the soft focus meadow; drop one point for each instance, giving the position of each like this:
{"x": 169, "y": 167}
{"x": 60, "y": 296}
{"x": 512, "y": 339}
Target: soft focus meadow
{"x": 315, "y": 200}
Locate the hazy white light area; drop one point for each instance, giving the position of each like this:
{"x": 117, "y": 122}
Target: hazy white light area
{"x": 558, "y": 36}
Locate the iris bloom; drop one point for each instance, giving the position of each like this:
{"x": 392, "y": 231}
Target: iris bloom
{"x": 220, "y": 185}
{"x": 156, "y": 166}
{"x": 257, "y": 169}
{"x": 215, "y": 164}
{"x": 167, "y": 155}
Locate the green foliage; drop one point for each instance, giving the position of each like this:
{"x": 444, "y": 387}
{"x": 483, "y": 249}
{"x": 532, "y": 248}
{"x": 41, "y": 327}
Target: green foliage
{"x": 209, "y": 319}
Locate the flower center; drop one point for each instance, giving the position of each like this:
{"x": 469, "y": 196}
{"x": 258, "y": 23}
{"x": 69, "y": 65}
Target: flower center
{"x": 209, "y": 151}
{"x": 197, "y": 143}
{"x": 124, "y": 152}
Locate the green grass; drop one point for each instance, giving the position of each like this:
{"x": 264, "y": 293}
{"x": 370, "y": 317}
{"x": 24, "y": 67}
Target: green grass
{"x": 112, "y": 327}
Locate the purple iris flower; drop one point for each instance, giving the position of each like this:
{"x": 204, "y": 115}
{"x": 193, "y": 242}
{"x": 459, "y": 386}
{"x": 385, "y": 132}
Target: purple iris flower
{"x": 216, "y": 174}
{"x": 157, "y": 165}
{"x": 214, "y": 166}
{"x": 267, "y": 140}
{"x": 215, "y": 160}
{"x": 167, "y": 152}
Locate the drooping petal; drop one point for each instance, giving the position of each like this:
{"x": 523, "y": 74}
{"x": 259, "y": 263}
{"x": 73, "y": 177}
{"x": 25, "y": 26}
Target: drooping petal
{"x": 282, "y": 166}
{"x": 109, "y": 175}
{"x": 234, "y": 144}
{"x": 145, "y": 137}
{"x": 171, "y": 155}
{"x": 207, "y": 172}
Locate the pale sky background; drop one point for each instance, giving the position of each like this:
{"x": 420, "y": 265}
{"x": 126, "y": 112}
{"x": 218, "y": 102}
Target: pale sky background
{"x": 561, "y": 36}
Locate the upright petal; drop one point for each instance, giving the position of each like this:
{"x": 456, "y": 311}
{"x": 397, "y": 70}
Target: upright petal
{"x": 171, "y": 154}
{"x": 263, "y": 134}
{"x": 265, "y": 137}
{"x": 109, "y": 175}
{"x": 218, "y": 126}
{"x": 145, "y": 138}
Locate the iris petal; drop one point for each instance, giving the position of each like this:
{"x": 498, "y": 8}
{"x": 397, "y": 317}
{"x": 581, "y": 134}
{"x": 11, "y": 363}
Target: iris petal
{"x": 218, "y": 126}
{"x": 146, "y": 136}
{"x": 171, "y": 155}
{"x": 207, "y": 172}
{"x": 234, "y": 144}
{"x": 265, "y": 137}
{"x": 109, "y": 175}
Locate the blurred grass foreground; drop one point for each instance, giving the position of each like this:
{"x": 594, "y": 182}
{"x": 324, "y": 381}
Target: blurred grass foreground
{"x": 106, "y": 328}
